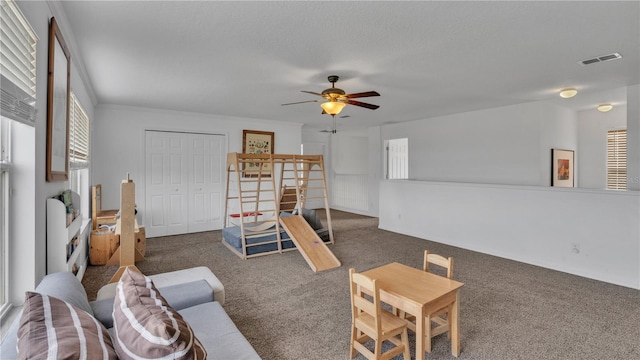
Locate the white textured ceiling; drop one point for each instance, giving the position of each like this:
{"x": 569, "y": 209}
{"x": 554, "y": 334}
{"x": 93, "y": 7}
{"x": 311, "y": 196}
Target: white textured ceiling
{"x": 425, "y": 58}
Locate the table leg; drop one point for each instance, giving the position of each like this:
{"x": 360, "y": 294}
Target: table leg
{"x": 420, "y": 334}
{"x": 455, "y": 327}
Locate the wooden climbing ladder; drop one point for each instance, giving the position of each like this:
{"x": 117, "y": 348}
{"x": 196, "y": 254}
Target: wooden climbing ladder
{"x": 255, "y": 196}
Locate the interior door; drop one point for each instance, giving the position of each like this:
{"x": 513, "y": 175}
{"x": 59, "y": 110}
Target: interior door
{"x": 166, "y": 183}
{"x": 206, "y": 154}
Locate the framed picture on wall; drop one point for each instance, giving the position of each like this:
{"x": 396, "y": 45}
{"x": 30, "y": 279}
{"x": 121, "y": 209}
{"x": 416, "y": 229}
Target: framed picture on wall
{"x": 562, "y": 173}
{"x": 58, "y": 92}
{"x": 257, "y": 142}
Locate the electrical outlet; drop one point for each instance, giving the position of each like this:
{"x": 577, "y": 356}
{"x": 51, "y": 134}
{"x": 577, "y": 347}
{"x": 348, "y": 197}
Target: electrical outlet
{"x": 575, "y": 248}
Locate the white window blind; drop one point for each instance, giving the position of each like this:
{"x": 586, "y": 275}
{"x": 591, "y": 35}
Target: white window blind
{"x": 617, "y": 159}
{"x": 17, "y": 64}
{"x": 78, "y": 135}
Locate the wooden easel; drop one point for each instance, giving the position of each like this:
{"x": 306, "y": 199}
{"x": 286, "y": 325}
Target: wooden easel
{"x": 125, "y": 228}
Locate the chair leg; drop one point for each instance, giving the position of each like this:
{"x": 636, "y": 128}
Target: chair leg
{"x": 448, "y": 317}
{"x": 352, "y": 349}
{"x": 405, "y": 341}
{"x": 378, "y": 349}
{"x": 427, "y": 334}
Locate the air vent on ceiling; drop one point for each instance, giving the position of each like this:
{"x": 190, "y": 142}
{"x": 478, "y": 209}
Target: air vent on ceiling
{"x": 602, "y": 58}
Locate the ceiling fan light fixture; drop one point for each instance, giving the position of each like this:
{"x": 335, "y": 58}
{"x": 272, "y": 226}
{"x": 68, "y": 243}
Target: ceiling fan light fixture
{"x": 568, "y": 93}
{"x": 604, "y": 107}
{"x": 333, "y": 107}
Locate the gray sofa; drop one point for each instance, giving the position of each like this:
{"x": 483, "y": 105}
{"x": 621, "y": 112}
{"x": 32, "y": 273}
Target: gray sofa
{"x": 194, "y": 293}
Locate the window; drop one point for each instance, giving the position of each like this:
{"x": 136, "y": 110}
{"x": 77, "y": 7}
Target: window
{"x": 617, "y": 159}
{"x": 17, "y": 103}
{"x": 79, "y": 152}
{"x": 18, "y": 65}
{"x": 4, "y": 213}
{"x": 78, "y": 135}
{"x": 397, "y": 153}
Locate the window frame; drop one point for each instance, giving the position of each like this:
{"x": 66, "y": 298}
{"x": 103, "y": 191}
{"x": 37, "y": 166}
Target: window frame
{"x": 616, "y": 159}
{"x": 5, "y": 207}
{"x": 79, "y": 135}
{"x": 79, "y": 159}
{"x": 17, "y": 108}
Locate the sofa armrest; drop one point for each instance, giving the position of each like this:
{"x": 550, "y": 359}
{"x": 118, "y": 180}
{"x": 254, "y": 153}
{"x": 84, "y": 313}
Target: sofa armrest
{"x": 180, "y": 296}
{"x": 174, "y": 278}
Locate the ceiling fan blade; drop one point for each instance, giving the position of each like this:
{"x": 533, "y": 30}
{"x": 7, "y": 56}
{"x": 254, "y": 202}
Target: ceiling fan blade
{"x": 301, "y": 102}
{"x": 362, "y": 94}
{"x": 364, "y": 105}
{"x": 311, "y": 92}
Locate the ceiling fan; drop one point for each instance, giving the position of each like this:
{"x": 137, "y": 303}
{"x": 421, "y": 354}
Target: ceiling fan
{"x": 336, "y": 99}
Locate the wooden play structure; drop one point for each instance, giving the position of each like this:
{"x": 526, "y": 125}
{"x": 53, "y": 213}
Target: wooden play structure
{"x": 262, "y": 218}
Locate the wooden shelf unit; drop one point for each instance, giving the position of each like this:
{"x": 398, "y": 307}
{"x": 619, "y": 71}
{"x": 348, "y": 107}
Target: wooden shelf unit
{"x": 60, "y": 237}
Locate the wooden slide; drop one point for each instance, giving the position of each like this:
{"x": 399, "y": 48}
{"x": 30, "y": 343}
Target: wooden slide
{"x": 312, "y": 248}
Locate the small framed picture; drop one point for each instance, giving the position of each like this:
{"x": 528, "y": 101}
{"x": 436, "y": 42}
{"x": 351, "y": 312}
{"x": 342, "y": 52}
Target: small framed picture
{"x": 562, "y": 174}
{"x": 257, "y": 142}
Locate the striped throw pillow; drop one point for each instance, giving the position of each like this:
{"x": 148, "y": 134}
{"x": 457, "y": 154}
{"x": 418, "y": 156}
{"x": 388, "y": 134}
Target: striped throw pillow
{"x": 146, "y": 326}
{"x": 54, "y": 329}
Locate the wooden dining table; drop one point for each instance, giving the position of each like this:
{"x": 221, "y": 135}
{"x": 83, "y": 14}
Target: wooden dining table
{"x": 419, "y": 293}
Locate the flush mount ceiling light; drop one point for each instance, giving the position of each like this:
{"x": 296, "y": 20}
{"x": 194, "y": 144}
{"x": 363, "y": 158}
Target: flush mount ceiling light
{"x": 568, "y": 93}
{"x": 604, "y": 107}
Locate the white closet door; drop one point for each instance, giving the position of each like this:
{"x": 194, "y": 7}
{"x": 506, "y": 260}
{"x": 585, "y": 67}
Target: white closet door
{"x": 206, "y": 154}
{"x": 166, "y": 183}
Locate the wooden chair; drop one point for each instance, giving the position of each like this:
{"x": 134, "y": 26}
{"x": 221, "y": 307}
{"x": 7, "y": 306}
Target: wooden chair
{"x": 370, "y": 322}
{"x": 438, "y": 321}
{"x": 99, "y": 216}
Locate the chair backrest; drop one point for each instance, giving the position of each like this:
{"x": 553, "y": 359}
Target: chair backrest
{"x": 438, "y": 260}
{"x": 360, "y": 303}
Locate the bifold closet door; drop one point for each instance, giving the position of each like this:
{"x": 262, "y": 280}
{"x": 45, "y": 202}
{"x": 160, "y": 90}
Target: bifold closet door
{"x": 184, "y": 182}
{"x": 206, "y": 155}
{"x": 166, "y": 184}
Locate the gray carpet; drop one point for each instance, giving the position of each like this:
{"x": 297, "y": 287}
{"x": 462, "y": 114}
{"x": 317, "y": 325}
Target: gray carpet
{"x": 508, "y": 310}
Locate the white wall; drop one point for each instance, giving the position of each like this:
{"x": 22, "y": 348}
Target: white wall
{"x": 353, "y": 169}
{"x": 32, "y": 247}
{"x": 506, "y": 145}
{"x": 118, "y": 143}
{"x": 350, "y": 160}
{"x": 535, "y": 225}
{"x": 633, "y": 137}
{"x": 376, "y": 168}
{"x": 592, "y": 144}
